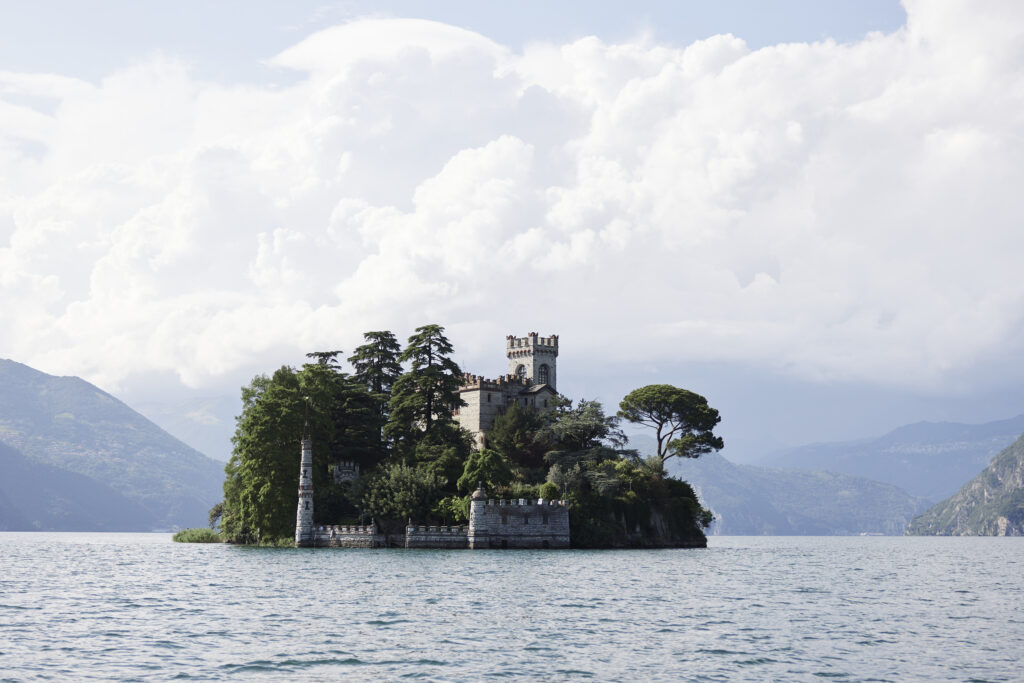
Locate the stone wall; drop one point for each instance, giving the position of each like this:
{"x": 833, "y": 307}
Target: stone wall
{"x": 450, "y": 537}
{"x": 519, "y": 524}
{"x": 340, "y": 536}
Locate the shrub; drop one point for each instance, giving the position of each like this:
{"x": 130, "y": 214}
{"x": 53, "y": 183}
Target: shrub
{"x": 550, "y": 491}
{"x": 201, "y": 535}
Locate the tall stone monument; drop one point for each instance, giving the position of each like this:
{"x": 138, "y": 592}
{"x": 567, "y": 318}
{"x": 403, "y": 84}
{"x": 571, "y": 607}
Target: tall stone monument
{"x": 304, "y": 532}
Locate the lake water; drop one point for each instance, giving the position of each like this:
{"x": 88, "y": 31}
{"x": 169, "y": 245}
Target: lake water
{"x": 137, "y": 606}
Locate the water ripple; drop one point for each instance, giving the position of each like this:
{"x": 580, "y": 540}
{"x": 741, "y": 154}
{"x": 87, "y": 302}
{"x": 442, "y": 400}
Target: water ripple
{"x": 122, "y": 606}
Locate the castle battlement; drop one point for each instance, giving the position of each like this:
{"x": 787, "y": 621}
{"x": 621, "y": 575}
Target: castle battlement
{"x": 345, "y": 470}
{"x": 501, "y": 383}
{"x": 338, "y": 529}
{"x": 432, "y": 529}
{"x": 531, "y": 343}
{"x": 524, "y": 502}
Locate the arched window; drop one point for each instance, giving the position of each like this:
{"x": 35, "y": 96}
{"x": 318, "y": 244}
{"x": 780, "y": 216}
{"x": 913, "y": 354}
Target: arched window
{"x": 521, "y": 372}
{"x": 542, "y": 374}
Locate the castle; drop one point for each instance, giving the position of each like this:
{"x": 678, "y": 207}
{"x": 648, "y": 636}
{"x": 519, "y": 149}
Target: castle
{"x": 530, "y": 382}
{"x": 521, "y": 523}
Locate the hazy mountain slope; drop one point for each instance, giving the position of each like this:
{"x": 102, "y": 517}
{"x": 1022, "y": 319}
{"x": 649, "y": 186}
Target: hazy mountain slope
{"x": 749, "y": 500}
{"x": 928, "y": 459}
{"x": 70, "y": 424}
{"x": 38, "y": 497}
{"x": 991, "y": 504}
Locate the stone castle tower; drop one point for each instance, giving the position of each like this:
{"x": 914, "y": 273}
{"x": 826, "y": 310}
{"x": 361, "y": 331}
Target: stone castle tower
{"x": 533, "y": 358}
{"x": 530, "y": 383}
{"x": 304, "y": 531}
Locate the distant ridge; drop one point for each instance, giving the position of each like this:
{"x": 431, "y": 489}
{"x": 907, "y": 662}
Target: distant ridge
{"x": 71, "y": 426}
{"x": 750, "y": 500}
{"x": 927, "y": 459}
{"x": 38, "y": 497}
{"x": 990, "y": 504}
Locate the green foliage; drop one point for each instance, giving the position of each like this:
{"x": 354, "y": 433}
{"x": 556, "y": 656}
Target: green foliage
{"x": 423, "y": 399}
{"x": 516, "y": 435}
{"x": 260, "y": 490}
{"x": 485, "y": 467}
{"x": 200, "y": 535}
{"x": 376, "y": 362}
{"x": 550, "y": 491}
{"x": 377, "y": 368}
{"x": 452, "y": 510}
{"x": 581, "y": 427}
{"x": 399, "y": 491}
{"x": 215, "y": 514}
{"x": 683, "y": 421}
{"x": 444, "y": 452}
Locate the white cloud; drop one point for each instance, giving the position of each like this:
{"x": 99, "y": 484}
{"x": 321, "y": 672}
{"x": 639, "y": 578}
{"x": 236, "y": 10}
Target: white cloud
{"x": 840, "y": 211}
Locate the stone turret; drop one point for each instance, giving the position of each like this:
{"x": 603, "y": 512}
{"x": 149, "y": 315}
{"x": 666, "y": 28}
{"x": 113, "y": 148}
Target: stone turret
{"x": 478, "y": 528}
{"x": 305, "y": 533}
{"x": 533, "y": 358}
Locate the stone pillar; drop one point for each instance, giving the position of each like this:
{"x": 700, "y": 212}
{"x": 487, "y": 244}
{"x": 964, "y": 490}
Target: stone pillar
{"x": 479, "y": 531}
{"x": 304, "y": 532}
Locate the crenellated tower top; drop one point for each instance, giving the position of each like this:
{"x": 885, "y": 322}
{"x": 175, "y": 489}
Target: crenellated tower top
{"x": 533, "y": 358}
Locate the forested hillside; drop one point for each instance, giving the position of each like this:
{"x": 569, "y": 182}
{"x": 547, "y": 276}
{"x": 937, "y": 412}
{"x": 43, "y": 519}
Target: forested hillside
{"x": 73, "y": 427}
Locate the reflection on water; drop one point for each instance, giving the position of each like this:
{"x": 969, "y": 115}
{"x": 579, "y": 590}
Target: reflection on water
{"x": 115, "y": 606}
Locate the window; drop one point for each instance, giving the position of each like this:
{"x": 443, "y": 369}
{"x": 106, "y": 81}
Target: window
{"x": 521, "y": 372}
{"x": 307, "y": 504}
{"x": 542, "y": 374}
{"x": 488, "y": 398}
{"x": 545, "y": 403}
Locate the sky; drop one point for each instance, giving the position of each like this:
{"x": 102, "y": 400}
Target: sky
{"x": 808, "y": 212}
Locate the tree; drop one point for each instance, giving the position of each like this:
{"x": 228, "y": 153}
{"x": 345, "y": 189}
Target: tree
{"x": 376, "y": 368}
{"x": 516, "y": 435}
{"x": 376, "y": 362}
{"x": 260, "y": 491}
{"x": 683, "y": 421}
{"x": 423, "y": 399}
{"x": 328, "y": 358}
{"x": 401, "y": 492}
{"x": 582, "y": 427}
{"x": 261, "y": 488}
{"x": 487, "y": 468}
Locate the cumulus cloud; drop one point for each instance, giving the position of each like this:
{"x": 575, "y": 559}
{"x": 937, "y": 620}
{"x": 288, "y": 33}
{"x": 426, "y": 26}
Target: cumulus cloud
{"x": 844, "y": 211}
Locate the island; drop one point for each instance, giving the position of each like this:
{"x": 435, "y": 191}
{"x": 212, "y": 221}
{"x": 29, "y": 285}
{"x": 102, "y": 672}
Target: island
{"x": 410, "y": 451}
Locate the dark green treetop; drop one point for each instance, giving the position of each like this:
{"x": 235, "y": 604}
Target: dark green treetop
{"x": 485, "y": 468}
{"x": 424, "y": 398}
{"x": 376, "y": 362}
{"x": 582, "y": 427}
{"x": 683, "y": 421}
{"x": 376, "y": 368}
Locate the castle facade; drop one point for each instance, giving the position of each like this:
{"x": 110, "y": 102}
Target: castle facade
{"x": 531, "y": 382}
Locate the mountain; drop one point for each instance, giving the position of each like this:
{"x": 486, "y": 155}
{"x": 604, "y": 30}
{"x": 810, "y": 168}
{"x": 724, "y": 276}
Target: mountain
{"x": 39, "y": 497}
{"x": 927, "y": 459}
{"x": 991, "y": 504}
{"x": 751, "y": 500}
{"x": 73, "y": 427}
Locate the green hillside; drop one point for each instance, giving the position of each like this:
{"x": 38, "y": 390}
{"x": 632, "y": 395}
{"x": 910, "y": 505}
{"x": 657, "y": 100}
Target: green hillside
{"x": 748, "y": 500}
{"x": 71, "y": 425}
{"x": 991, "y": 504}
{"x": 35, "y": 496}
